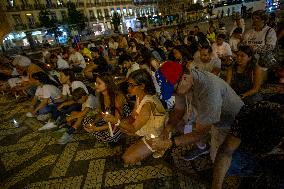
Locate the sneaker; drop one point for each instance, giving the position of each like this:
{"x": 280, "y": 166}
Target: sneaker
{"x": 48, "y": 125}
{"x": 43, "y": 117}
{"x": 195, "y": 153}
{"x": 29, "y": 114}
{"x": 65, "y": 138}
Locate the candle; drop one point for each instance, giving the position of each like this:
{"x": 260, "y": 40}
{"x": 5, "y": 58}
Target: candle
{"x": 109, "y": 127}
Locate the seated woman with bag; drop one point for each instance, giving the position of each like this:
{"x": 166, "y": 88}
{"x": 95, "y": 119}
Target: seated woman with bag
{"x": 245, "y": 77}
{"x": 147, "y": 118}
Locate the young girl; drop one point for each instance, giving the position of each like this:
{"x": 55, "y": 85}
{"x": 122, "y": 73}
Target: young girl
{"x": 112, "y": 102}
{"x": 146, "y": 120}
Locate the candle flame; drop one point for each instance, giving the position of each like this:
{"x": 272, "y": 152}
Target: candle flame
{"x": 152, "y": 136}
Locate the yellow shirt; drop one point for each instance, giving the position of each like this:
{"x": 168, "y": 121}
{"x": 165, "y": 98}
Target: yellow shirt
{"x": 211, "y": 37}
{"x": 87, "y": 52}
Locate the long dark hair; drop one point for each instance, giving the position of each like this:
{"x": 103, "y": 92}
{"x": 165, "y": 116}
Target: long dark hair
{"x": 248, "y": 51}
{"x": 142, "y": 76}
{"x": 112, "y": 90}
{"x": 43, "y": 78}
{"x": 70, "y": 73}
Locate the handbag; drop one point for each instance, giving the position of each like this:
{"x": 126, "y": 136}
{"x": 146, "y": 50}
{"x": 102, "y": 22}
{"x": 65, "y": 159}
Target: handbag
{"x": 269, "y": 59}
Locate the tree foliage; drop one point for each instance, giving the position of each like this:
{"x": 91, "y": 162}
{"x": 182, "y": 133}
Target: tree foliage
{"x": 75, "y": 17}
{"x": 44, "y": 19}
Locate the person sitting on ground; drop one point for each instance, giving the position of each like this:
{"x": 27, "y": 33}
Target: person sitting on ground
{"x": 111, "y": 101}
{"x": 147, "y": 118}
{"x": 99, "y": 64}
{"x": 45, "y": 97}
{"x": 127, "y": 62}
{"x": 246, "y": 151}
{"x": 88, "y": 102}
{"x": 59, "y": 62}
{"x": 206, "y": 60}
{"x": 76, "y": 60}
{"x": 24, "y": 64}
{"x": 215, "y": 106}
{"x": 245, "y": 77}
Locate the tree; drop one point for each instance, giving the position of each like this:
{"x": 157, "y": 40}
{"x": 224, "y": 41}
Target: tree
{"x": 48, "y": 23}
{"x": 44, "y": 19}
{"x": 115, "y": 20}
{"x": 75, "y": 17}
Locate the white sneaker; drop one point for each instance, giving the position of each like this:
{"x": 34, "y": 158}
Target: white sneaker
{"x": 29, "y": 114}
{"x": 48, "y": 125}
{"x": 43, "y": 117}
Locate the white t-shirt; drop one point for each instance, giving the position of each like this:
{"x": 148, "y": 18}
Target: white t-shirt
{"x": 222, "y": 50}
{"x": 242, "y": 25}
{"x": 133, "y": 67}
{"x": 78, "y": 57}
{"x": 48, "y": 91}
{"x": 214, "y": 63}
{"x": 256, "y": 39}
{"x": 91, "y": 102}
{"x": 74, "y": 85}
{"x": 113, "y": 45}
{"x": 62, "y": 64}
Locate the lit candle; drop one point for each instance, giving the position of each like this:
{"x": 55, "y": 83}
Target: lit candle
{"x": 109, "y": 127}
{"x": 152, "y": 136}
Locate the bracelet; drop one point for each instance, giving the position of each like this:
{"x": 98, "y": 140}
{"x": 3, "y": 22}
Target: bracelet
{"x": 118, "y": 123}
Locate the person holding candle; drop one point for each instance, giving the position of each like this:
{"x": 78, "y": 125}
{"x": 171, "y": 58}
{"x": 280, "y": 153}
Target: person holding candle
{"x": 113, "y": 103}
{"x": 74, "y": 121}
{"x": 147, "y": 118}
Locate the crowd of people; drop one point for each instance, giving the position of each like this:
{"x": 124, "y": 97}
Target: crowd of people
{"x": 169, "y": 88}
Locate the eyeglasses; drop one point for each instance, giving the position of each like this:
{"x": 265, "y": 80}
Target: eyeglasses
{"x": 132, "y": 85}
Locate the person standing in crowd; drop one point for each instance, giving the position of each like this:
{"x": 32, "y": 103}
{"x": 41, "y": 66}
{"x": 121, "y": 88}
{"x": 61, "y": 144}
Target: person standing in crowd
{"x": 261, "y": 37}
{"x": 239, "y": 22}
{"x": 214, "y": 104}
{"x": 235, "y": 39}
{"x": 257, "y": 129}
{"x": 211, "y": 36}
{"x": 245, "y": 77}
{"x": 147, "y": 119}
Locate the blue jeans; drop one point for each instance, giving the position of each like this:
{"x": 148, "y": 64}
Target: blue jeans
{"x": 244, "y": 165}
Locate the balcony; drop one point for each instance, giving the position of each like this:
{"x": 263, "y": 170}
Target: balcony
{"x": 14, "y": 8}
{"x": 27, "y": 7}
{"x": 146, "y": 2}
{"x": 39, "y": 6}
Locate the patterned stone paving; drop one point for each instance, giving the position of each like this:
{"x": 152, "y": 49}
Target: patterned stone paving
{"x": 31, "y": 159}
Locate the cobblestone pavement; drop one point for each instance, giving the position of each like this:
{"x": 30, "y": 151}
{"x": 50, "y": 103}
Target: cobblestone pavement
{"x": 32, "y": 159}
